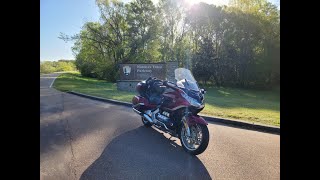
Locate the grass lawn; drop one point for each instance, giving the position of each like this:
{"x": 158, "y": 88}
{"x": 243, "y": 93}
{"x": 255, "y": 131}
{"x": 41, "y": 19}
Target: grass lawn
{"x": 248, "y": 105}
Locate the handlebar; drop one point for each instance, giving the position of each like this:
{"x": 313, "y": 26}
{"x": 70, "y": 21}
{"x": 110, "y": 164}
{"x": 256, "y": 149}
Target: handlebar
{"x": 164, "y": 82}
{"x": 169, "y": 84}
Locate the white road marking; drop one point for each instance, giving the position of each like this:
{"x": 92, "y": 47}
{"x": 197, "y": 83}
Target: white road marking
{"x": 52, "y": 82}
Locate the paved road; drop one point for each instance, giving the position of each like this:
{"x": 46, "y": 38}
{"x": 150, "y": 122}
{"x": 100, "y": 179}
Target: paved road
{"x": 87, "y": 139}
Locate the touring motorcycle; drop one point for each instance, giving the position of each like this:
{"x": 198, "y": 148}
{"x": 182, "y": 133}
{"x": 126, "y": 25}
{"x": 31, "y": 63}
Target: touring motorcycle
{"x": 173, "y": 107}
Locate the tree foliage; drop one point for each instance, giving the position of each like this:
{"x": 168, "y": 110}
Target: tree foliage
{"x": 57, "y": 66}
{"x": 235, "y": 45}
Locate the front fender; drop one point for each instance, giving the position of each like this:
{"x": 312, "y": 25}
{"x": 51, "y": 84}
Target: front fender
{"x": 195, "y": 119}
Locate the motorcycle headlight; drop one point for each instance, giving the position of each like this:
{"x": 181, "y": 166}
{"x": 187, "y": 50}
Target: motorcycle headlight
{"x": 191, "y": 100}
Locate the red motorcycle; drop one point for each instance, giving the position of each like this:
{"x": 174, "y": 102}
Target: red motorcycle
{"x": 173, "y": 108}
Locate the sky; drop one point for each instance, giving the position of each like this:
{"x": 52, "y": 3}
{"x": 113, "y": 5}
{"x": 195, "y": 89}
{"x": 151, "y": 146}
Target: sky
{"x": 68, "y": 16}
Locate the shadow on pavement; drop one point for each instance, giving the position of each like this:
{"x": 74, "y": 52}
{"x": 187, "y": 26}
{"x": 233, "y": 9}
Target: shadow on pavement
{"x": 145, "y": 153}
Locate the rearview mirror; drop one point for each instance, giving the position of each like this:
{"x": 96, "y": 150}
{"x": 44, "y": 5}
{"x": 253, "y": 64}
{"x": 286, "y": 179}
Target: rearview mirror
{"x": 203, "y": 91}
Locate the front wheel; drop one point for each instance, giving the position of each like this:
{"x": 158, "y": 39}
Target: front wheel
{"x": 198, "y": 141}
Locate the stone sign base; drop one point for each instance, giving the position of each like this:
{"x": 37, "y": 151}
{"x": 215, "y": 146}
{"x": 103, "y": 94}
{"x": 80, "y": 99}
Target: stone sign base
{"x": 127, "y": 85}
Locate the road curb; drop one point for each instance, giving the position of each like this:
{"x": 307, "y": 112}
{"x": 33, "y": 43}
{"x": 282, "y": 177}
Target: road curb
{"x": 243, "y": 124}
{"x": 101, "y": 99}
{"x": 237, "y": 123}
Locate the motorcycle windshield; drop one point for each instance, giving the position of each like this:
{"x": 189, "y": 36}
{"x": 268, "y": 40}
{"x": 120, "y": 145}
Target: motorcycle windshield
{"x": 185, "y": 79}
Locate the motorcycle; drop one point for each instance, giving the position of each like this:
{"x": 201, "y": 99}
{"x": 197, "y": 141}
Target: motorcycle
{"x": 173, "y": 107}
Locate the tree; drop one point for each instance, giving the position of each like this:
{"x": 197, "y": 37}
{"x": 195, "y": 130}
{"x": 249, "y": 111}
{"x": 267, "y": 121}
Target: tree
{"x": 173, "y": 30}
{"x": 204, "y": 62}
{"x": 142, "y": 31}
{"x": 57, "y": 66}
{"x": 235, "y": 45}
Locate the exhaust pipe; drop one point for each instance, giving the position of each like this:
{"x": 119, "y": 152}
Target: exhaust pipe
{"x": 148, "y": 118}
{"x": 143, "y": 115}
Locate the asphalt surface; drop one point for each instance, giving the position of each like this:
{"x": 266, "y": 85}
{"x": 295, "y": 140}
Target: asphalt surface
{"x": 86, "y": 139}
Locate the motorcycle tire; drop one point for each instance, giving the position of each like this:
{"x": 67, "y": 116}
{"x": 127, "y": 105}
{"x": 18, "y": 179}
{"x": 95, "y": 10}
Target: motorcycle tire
{"x": 204, "y": 143}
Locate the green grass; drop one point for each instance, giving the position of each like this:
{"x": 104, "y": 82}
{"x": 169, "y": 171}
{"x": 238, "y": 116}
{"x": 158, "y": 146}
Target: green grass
{"x": 248, "y": 105}
{"x": 101, "y": 88}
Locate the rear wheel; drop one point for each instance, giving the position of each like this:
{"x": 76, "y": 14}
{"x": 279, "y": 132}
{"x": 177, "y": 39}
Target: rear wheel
{"x": 198, "y": 141}
{"x": 145, "y": 122}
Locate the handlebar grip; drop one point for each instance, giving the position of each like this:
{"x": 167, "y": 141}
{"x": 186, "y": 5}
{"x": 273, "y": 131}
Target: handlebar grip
{"x": 171, "y": 85}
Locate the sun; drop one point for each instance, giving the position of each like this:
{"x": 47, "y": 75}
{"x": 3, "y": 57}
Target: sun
{"x": 215, "y": 2}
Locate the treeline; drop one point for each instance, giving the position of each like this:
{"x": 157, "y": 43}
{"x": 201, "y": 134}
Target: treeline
{"x": 57, "y": 66}
{"x": 234, "y": 45}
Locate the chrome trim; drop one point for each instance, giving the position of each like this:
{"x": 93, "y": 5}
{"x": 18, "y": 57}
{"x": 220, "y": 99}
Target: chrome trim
{"x": 154, "y": 115}
{"x": 186, "y": 126}
{"x": 136, "y": 111}
{"x": 162, "y": 117}
{"x": 142, "y": 114}
{"x": 178, "y": 107}
{"x": 139, "y": 104}
{"x": 148, "y": 118}
{"x": 164, "y": 126}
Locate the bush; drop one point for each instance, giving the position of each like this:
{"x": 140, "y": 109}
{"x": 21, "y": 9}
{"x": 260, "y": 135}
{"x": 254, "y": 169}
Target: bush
{"x": 61, "y": 65}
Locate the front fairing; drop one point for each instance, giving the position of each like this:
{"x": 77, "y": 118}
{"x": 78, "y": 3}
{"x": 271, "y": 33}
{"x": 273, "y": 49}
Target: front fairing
{"x": 187, "y": 83}
{"x": 194, "y": 94}
{"x": 185, "y": 79}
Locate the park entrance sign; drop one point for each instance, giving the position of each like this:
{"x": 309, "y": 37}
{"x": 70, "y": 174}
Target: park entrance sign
{"x": 131, "y": 74}
{"x": 142, "y": 71}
